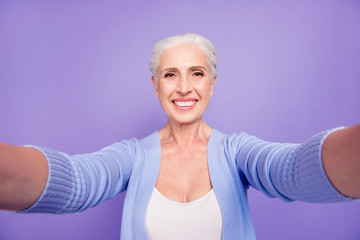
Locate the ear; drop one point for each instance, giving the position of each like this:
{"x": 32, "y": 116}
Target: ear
{"x": 155, "y": 86}
{"x": 212, "y": 85}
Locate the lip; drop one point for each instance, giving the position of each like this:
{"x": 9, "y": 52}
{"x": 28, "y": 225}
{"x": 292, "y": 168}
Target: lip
{"x": 184, "y": 108}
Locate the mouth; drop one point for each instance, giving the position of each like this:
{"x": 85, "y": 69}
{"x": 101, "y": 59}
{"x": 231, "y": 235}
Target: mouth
{"x": 184, "y": 104}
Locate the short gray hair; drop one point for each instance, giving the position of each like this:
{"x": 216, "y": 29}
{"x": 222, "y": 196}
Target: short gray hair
{"x": 190, "y": 38}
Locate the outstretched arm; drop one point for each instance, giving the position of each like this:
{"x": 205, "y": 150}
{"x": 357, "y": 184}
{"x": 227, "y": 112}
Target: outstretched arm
{"x": 42, "y": 180}
{"x": 341, "y": 160}
{"x": 23, "y": 176}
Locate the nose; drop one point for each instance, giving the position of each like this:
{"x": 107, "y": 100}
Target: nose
{"x": 184, "y": 85}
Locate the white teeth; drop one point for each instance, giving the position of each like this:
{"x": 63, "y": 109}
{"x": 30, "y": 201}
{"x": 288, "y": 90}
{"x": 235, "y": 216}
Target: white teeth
{"x": 184, "y": 103}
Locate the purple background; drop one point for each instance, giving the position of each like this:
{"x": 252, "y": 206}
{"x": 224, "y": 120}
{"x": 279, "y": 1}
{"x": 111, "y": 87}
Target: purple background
{"x": 74, "y": 77}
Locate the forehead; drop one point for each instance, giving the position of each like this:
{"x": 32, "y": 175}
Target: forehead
{"x": 182, "y": 56}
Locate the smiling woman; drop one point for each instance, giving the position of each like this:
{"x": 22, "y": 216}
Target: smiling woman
{"x": 193, "y": 175}
{"x": 185, "y": 83}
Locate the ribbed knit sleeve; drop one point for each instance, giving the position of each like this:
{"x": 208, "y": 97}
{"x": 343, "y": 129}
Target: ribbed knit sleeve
{"x": 81, "y": 181}
{"x": 286, "y": 171}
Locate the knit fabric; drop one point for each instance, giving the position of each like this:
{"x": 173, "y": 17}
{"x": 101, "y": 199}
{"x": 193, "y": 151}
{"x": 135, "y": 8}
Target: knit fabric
{"x": 286, "y": 171}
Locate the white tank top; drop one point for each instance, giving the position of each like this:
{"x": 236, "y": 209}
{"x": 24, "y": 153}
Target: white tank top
{"x": 200, "y": 219}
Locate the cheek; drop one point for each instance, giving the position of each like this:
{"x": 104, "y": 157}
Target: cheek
{"x": 165, "y": 90}
{"x": 205, "y": 90}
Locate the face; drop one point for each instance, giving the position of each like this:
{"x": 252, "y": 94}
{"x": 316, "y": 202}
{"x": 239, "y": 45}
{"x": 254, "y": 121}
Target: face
{"x": 184, "y": 84}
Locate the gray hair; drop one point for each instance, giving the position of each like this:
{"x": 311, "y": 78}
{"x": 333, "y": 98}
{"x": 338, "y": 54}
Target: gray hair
{"x": 190, "y": 38}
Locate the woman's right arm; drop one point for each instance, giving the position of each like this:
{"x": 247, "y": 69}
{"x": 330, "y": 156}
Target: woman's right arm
{"x": 23, "y": 176}
{"x": 42, "y": 180}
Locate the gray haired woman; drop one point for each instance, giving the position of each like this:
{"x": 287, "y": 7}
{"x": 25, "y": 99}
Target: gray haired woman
{"x": 187, "y": 180}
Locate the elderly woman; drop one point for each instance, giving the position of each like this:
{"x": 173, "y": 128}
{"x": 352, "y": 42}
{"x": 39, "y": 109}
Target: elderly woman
{"x": 187, "y": 180}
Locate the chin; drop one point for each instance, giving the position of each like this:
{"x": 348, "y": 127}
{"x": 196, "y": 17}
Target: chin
{"x": 185, "y": 119}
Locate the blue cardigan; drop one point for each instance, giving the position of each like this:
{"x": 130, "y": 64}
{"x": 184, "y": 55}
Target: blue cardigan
{"x": 286, "y": 171}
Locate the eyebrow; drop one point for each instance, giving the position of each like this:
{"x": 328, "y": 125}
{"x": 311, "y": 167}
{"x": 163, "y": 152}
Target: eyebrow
{"x": 168, "y": 69}
{"x": 192, "y": 68}
{"x": 197, "y": 67}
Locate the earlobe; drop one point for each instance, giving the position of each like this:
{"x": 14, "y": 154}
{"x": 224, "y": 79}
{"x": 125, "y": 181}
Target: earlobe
{"x": 212, "y": 86}
{"x": 155, "y": 86}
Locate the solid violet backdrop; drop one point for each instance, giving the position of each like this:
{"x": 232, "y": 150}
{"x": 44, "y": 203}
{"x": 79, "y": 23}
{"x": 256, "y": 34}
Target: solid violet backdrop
{"x": 74, "y": 77}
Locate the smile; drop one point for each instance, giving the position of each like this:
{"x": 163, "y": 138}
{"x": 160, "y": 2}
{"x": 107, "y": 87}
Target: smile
{"x": 184, "y": 103}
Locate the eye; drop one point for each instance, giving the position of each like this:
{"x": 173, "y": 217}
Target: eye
{"x": 198, "y": 74}
{"x": 169, "y": 75}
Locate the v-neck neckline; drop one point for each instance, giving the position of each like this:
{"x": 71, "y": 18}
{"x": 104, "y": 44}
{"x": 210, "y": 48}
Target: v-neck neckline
{"x": 208, "y": 158}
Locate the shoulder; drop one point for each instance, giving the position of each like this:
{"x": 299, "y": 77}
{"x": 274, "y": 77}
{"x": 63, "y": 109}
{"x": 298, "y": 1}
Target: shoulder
{"x": 133, "y": 145}
{"x": 233, "y": 140}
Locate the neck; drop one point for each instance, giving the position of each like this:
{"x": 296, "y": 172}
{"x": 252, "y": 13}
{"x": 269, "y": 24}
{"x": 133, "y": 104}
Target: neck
{"x": 185, "y": 134}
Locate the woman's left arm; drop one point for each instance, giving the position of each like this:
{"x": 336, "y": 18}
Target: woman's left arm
{"x": 341, "y": 160}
